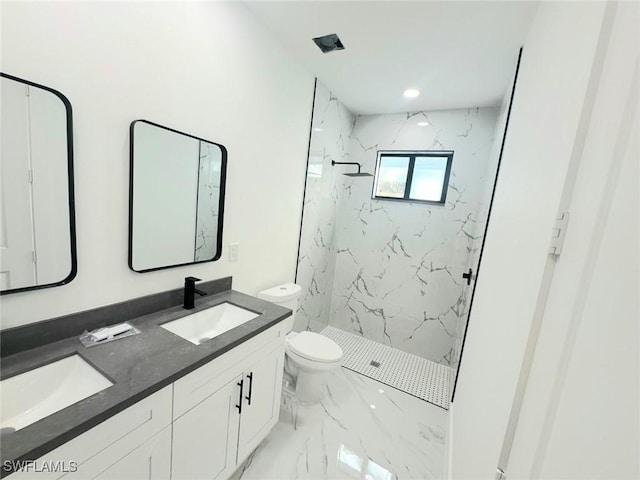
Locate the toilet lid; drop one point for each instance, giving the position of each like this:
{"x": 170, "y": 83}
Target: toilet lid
{"x": 315, "y": 347}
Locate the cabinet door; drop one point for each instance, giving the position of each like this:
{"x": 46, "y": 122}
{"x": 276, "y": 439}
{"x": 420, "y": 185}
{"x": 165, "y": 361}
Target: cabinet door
{"x": 261, "y": 408}
{"x": 150, "y": 461}
{"x": 205, "y": 438}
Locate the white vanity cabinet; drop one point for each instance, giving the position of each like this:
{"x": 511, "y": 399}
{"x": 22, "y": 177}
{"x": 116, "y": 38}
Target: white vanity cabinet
{"x": 223, "y": 410}
{"x": 134, "y": 439}
{"x": 203, "y": 426}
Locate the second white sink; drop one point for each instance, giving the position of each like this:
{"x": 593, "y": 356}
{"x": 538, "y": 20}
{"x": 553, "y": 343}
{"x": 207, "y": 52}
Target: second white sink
{"x": 28, "y": 397}
{"x": 207, "y": 324}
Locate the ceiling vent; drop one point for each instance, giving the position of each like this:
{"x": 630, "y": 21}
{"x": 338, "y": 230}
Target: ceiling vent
{"x": 329, "y": 43}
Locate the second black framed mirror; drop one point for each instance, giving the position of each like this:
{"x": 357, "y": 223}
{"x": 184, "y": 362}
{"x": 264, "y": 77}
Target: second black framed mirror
{"x": 176, "y": 198}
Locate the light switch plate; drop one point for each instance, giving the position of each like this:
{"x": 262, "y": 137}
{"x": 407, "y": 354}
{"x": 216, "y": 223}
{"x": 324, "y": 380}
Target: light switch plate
{"x": 233, "y": 252}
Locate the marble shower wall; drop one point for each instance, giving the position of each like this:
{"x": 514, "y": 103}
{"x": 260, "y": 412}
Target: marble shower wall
{"x": 398, "y": 269}
{"x": 330, "y": 136}
{"x": 481, "y": 225}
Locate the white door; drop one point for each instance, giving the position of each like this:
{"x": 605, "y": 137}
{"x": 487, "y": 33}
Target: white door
{"x": 17, "y": 267}
{"x": 580, "y": 415}
{"x": 205, "y": 438}
{"x": 261, "y": 408}
{"x": 150, "y": 461}
{"x": 49, "y": 185}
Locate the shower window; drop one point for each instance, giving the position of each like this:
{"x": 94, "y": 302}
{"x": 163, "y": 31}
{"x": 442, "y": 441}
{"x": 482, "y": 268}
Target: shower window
{"x": 412, "y": 176}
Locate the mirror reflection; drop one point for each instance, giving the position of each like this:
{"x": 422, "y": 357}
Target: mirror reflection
{"x": 176, "y": 198}
{"x": 37, "y": 232}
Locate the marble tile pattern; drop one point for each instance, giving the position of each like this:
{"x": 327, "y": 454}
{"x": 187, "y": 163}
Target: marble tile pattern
{"x": 330, "y": 137}
{"x": 208, "y": 202}
{"x": 398, "y": 270}
{"x": 362, "y": 429}
{"x": 481, "y": 225}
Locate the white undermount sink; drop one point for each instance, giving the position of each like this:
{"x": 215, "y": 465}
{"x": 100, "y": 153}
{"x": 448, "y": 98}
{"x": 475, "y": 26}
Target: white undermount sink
{"x": 207, "y": 324}
{"x": 33, "y": 395}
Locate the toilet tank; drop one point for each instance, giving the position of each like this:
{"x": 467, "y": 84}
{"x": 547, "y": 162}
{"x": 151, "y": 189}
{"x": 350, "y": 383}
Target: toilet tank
{"x": 285, "y": 295}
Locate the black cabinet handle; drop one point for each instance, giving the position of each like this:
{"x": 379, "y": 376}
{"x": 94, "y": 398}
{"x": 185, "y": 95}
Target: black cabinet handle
{"x": 239, "y": 406}
{"x": 467, "y": 276}
{"x": 248, "y": 397}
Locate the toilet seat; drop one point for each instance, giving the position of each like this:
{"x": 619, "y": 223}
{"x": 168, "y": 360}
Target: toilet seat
{"x": 314, "y": 347}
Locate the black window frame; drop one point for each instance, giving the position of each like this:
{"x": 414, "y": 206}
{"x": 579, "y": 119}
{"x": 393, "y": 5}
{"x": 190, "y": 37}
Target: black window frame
{"x": 413, "y": 154}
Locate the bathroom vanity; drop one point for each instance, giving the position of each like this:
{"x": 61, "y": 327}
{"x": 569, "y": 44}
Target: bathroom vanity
{"x": 175, "y": 409}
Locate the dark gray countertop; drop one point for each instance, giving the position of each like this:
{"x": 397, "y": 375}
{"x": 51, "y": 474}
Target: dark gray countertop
{"x": 138, "y": 365}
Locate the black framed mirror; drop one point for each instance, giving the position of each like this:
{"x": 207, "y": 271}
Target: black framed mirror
{"x": 37, "y": 218}
{"x": 176, "y": 198}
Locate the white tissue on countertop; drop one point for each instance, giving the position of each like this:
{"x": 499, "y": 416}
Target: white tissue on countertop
{"x": 104, "y": 335}
{"x": 107, "y": 332}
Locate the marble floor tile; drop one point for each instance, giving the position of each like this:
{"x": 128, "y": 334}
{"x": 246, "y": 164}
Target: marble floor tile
{"x": 363, "y": 429}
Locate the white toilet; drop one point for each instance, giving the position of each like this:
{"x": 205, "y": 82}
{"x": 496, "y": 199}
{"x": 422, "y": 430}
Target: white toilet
{"x": 309, "y": 356}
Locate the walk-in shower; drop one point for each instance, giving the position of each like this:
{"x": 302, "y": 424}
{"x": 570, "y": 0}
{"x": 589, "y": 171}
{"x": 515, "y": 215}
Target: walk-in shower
{"x": 388, "y": 263}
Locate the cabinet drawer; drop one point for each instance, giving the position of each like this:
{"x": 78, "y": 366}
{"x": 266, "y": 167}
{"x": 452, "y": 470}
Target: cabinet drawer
{"x": 208, "y": 379}
{"x": 111, "y": 440}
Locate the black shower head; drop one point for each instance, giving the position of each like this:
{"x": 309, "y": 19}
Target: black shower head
{"x": 359, "y": 174}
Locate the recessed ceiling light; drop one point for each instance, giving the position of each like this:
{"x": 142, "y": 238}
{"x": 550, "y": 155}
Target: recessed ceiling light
{"x": 372, "y": 406}
{"x": 423, "y": 124}
{"x": 318, "y": 129}
{"x": 411, "y": 92}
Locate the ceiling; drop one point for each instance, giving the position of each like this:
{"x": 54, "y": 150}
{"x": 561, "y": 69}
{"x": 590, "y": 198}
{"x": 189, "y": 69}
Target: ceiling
{"x": 458, "y": 54}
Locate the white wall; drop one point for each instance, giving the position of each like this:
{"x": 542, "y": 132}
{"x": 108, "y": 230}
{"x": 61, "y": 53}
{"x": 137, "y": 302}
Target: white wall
{"x": 208, "y": 69}
{"x": 548, "y": 103}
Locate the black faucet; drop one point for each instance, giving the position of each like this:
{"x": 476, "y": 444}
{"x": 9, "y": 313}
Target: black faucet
{"x": 189, "y": 292}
